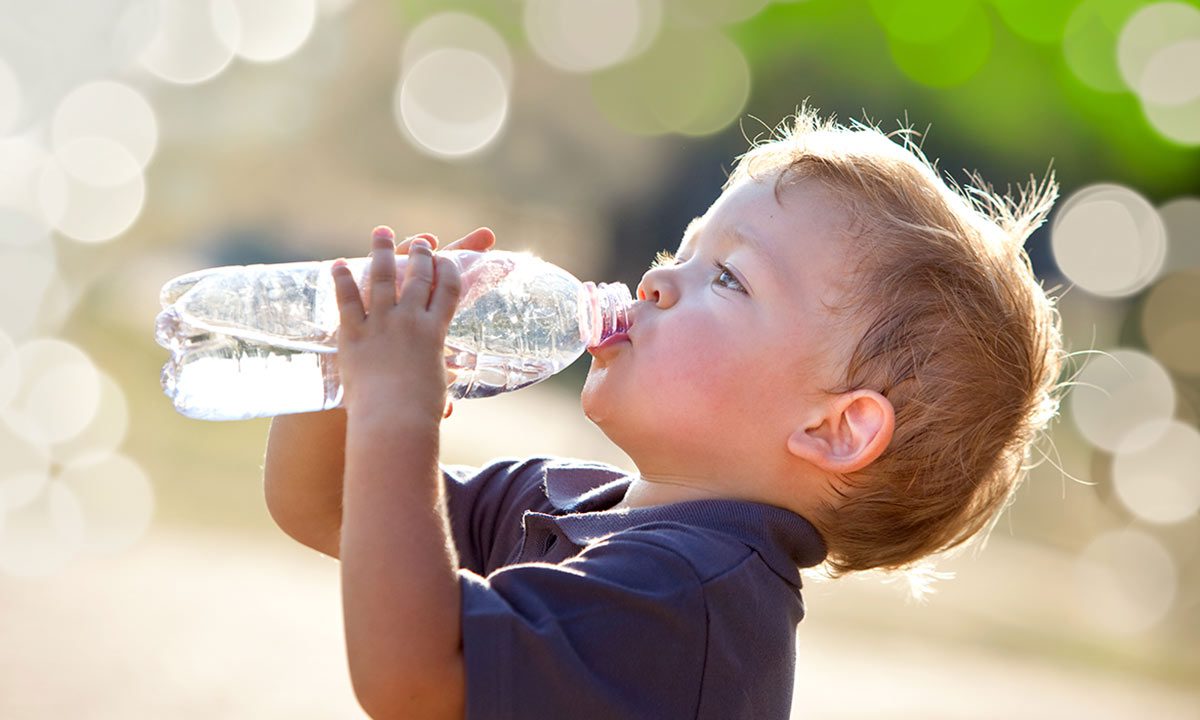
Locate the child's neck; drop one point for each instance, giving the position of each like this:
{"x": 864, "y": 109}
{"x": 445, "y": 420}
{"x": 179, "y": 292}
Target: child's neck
{"x": 646, "y": 492}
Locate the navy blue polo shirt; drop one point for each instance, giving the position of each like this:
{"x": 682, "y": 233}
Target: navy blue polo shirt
{"x": 573, "y": 610}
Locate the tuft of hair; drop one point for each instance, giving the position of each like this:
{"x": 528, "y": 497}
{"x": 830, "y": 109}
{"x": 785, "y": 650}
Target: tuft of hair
{"x": 953, "y": 328}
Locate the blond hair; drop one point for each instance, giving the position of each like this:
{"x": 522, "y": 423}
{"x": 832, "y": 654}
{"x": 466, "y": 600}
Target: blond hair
{"x": 956, "y": 332}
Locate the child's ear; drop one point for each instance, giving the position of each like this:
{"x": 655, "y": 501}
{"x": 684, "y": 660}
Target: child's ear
{"x": 854, "y": 430}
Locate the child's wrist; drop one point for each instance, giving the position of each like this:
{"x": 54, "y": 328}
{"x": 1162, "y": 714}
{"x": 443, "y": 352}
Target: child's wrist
{"x": 398, "y": 413}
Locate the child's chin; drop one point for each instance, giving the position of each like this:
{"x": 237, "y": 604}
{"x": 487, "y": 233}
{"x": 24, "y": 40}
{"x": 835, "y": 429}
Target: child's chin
{"x": 593, "y": 398}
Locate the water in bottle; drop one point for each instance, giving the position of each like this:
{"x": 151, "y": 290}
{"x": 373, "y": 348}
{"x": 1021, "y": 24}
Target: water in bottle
{"x": 260, "y": 340}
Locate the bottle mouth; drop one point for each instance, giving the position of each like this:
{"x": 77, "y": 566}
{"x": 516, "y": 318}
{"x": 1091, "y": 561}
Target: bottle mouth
{"x": 610, "y": 303}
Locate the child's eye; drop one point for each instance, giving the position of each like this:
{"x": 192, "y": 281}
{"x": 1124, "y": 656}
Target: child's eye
{"x": 732, "y": 282}
{"x": 666, "y": 258}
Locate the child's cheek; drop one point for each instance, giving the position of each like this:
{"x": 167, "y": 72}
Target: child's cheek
{"x": 674, "y": 360}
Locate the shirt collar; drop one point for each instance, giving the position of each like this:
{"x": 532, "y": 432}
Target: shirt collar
{"x": 583, "y": 492}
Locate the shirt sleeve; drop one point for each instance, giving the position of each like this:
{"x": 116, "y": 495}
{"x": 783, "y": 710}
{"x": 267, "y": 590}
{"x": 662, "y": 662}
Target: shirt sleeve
{"x": 617, "y": 631}
{"x": 486, "y": 505}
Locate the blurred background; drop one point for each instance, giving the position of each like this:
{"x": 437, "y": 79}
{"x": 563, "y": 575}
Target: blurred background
{"x": 140, "y": 575}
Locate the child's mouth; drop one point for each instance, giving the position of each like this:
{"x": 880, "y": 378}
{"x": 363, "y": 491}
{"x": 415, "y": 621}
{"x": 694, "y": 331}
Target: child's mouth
{"x": 617, "y": 337}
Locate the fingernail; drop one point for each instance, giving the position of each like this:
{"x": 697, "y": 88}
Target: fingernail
{"x": 421, "y": 243}
{"x": 383, "y": 232}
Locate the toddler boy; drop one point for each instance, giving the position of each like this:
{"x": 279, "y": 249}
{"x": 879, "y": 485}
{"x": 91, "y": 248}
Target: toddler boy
{"x": 845, "y": 362}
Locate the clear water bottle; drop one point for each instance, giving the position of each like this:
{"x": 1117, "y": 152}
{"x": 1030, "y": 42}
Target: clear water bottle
{"x": 259, "y": 340}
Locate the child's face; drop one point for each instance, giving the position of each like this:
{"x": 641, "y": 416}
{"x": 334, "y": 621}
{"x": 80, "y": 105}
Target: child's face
{"x": 720, "y": 360}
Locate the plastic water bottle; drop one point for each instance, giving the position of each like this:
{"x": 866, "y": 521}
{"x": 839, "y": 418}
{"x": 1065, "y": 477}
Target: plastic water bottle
{"x": 259, "y": 340}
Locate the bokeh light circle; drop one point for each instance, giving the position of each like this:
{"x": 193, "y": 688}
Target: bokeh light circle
{"x": 452, "y": 103}
{"x": 582, "y": 35}
{"x": 11, "y": 100}
{"x": 21, "y": 161}
{"x": 1168, "y": 78}
{"x": 1177, "y": 123}
{"x": 105, "y": 433}
{"x": 712, "y": 13}
{"x": 195, "y": 40}
{"x": 59, "y": 393}
{"x": 271, "y": 30}
{"x": 89, "y": 212}
{"x": 26, "y": 467}
{"x": 1118, "y": 391}
{"x": 41, "y": 537}
{"x": 1157, "y": 53}
{"x": 649, "y": 24}
{"x": 1109, "y": 240}
{"x": 1181, "y": 217}
{"x": 458, "y": 30}
{"x": 19, "y": 489}
{"x": 30, "y": 272}
{"x": 1156, "y": 472}
{"x": 1090, "y": 41}
{"x": 656, "y": 93}
{"x": 21, "y": 227}
{"x": 1171, "y": 321}
{"x": 947, "y": 55}
{"x": 98, "y": 162}
{"x": 920, "y": 21}
{"x": 1035, "y": 20}
{"x": 1126, "y": 581}
{"x": 115, "y": 498}
{"x": 107, "y": 110}
{"x": 132, "y": 33}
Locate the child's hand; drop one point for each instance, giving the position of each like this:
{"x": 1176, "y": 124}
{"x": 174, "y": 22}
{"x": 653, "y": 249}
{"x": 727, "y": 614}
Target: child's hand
{"x": 391, "y": 354}
{"x": 480, "y": 240}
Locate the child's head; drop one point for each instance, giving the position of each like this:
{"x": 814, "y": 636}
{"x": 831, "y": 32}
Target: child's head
{"x": 881, "y": 363}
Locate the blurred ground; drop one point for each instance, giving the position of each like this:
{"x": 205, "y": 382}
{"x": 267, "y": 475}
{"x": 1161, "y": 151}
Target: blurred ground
{"x": 208, "y": 625}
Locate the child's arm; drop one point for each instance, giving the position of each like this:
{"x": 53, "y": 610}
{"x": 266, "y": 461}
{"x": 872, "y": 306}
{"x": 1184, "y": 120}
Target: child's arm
{"x": 305, "y": 456}
{"x": 400, "y": 593}
{"x": 302, "y": 477}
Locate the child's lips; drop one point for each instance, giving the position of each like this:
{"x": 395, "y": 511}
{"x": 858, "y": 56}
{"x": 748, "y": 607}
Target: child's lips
{"x": 610, "y": 341}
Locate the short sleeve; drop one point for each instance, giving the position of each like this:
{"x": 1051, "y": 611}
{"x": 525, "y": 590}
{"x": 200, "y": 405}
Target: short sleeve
{"x": 486, "y": 505}
{"x": 617, "y": 631}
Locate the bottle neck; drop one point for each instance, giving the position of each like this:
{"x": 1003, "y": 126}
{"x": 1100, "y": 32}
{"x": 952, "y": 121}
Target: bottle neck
{"x": 610, "y": 303}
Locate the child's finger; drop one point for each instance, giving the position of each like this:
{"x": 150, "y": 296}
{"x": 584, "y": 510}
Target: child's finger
{"x": 403, "y": 245}
{"x": 418, "y": 277}
{"x": 350, "y": 308}
{"x": 383, "y": 269}
{"x": 449, "y": 287}
{"x": 481, "y": 239}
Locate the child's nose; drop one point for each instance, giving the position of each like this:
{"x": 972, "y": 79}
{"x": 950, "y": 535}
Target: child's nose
{"x": 655, "y": 288}
{"x": 647, "y": 289}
